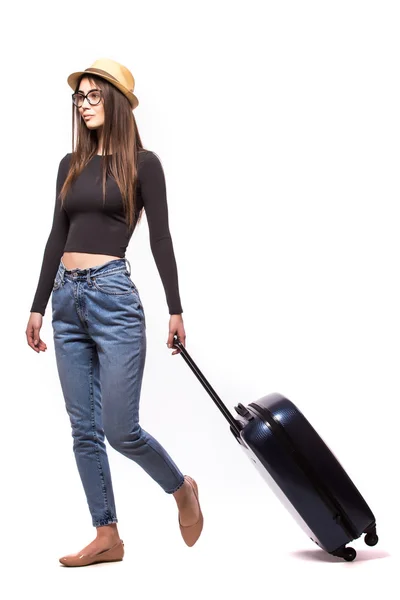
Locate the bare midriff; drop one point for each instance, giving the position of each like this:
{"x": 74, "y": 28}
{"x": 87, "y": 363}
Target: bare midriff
{"x": 82, "y": 260}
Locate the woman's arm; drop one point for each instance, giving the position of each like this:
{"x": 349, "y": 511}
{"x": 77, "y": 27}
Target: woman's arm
{"x": 55, "y": 245}
{"x": 154, "y": 194}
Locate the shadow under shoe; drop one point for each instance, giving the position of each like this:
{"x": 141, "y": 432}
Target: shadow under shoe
{"x": 191, "y": 533}
{"x": 113, "y": 554}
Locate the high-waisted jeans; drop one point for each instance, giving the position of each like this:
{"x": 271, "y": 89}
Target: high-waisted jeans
{"x": 99, "y": 332}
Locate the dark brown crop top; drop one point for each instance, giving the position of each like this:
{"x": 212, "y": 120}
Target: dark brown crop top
{"x": 85, "y": 225}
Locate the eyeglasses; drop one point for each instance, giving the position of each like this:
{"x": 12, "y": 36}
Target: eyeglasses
{"x": 93, "y": 97}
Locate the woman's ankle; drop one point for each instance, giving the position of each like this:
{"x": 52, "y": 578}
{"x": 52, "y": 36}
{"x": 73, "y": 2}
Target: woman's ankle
{"x": 109, "y": 531}
{"x": 182, "y": 493}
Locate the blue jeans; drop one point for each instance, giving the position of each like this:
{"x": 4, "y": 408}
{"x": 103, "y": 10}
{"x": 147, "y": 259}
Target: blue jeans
{"x": 99, "y": 333}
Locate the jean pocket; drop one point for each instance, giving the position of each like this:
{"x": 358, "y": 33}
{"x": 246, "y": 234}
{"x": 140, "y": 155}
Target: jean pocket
{"x": 57, "y": 282}
{"x": 116, "y": 284}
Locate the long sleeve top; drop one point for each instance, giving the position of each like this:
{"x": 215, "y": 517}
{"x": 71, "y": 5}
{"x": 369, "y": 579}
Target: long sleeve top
{"x": 85, "y": 224}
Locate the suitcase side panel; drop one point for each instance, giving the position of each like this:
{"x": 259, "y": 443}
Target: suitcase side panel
{"x": 323, "y": 462}
{"x": 291, "y": 486}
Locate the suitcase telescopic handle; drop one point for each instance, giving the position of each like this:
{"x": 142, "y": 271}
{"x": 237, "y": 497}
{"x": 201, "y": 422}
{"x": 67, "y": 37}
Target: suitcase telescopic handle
{"x": 229, "y": 417}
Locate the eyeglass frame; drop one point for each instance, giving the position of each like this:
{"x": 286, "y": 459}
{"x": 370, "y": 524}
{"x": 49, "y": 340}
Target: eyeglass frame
{"x": 86, "y": 96}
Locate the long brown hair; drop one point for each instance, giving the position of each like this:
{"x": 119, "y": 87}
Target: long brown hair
{"x": 120, "y": 133}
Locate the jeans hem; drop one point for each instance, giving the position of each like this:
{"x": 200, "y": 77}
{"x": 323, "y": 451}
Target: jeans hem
{"x": 177, "y": 488}
{"x": 103, "y": 522}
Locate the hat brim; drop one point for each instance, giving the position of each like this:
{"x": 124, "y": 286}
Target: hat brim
{"x": 73, "y": 80}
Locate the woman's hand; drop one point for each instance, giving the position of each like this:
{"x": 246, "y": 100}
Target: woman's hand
{"x": 32, "y": 332}
{"x": 176, "y": 327}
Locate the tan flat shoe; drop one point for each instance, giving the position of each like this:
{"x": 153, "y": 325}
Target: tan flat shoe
{"x": 114, "y": 553}
{"x": 191, "y": 533}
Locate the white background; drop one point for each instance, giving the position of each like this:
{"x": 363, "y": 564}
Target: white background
{"x": 277, "y": 124}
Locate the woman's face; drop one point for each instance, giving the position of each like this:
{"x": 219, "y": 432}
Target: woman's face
{"x": 93, "y": 116}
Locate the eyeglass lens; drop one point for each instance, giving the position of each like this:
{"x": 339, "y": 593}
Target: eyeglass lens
{"x": 93, "y": 98}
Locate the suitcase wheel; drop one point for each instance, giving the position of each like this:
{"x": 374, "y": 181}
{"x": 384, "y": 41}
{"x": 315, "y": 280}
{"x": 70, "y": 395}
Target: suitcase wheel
{"x": 348, "y": 554}
{"x": 371, "y": 539}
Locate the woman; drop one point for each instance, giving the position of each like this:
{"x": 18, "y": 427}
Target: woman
{"x": 98, "y": 320}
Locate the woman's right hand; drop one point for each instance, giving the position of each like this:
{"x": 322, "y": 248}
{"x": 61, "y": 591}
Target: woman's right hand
{"x": 33, "y": 332}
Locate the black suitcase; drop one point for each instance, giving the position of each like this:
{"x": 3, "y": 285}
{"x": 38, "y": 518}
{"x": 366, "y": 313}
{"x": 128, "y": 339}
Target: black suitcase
{"x": 300, "y": 469}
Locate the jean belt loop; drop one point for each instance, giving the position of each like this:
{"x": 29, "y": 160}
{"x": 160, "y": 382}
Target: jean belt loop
{"x": 129, "y": 270}
{"x": 88, "y": 277}
{"x": 62, "y": 271}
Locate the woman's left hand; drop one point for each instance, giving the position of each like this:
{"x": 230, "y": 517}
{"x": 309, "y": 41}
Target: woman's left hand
{"x": 176, "y": 327}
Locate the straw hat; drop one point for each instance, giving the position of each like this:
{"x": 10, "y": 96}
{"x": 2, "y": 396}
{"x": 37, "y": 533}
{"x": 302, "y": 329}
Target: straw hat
{"x": 113, "y": 72}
